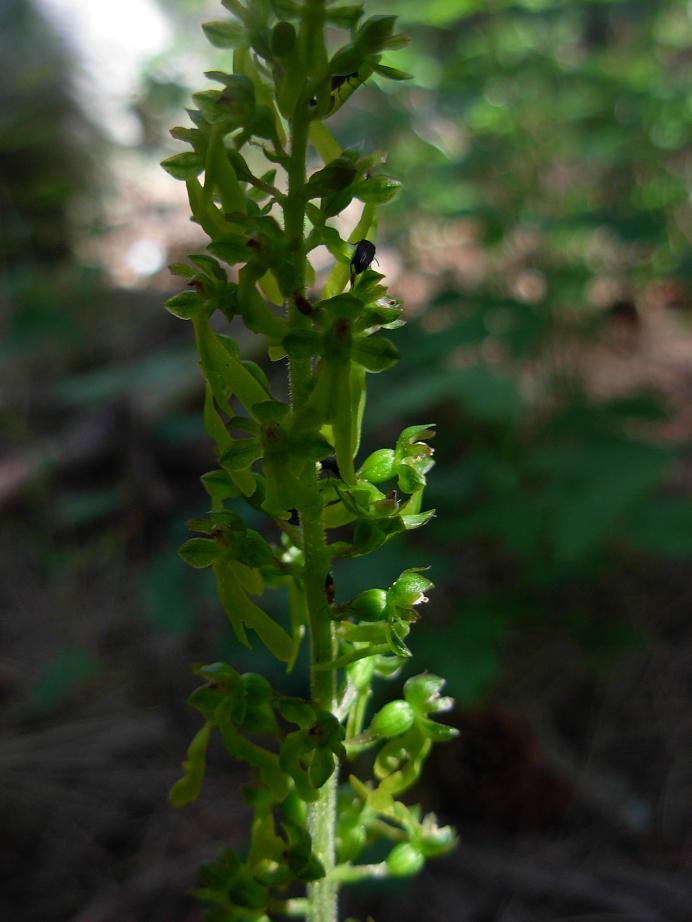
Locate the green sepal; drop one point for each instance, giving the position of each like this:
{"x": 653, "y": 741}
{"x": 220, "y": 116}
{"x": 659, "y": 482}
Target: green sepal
{"x": 209, "y": 266}
{"x": 297, "y": 711}
{"x": 322, "y": 767}
{"x": 207, "y": 102}
{"x": 242, "y": 614}
{"x": 418, "y": 520}
{"x": 374, "y": 353}
{"x": 345, "y": 16}
{"x": 410, "y": 478}
{"x": 333, "y": 177}
{"x": 346, "y": 60}
{"x": 271, "y": 411}
{"x": 302, "y": 344}
{"x": 185, "y": 165}
{"x": 411, "y": 434}
{"x": 377, "y": 190}
{"x": 200, "y": 552}
{"x": 261, "y": 43}
{"x": 286, "y": 9}
{"x": 206, "y": 700}
{"x": 224, "y": 34}
{"x": 375, "y": 33}
{"x": 423, "y": 693}
{"x": 241, "y": 455}
{"x": 361, "y": 672}
{"x": 220, "y": 174}
{"x": 295, "y": 750}
{"x": 391, "y": 73}
{"x": 224, "y": 372}
{"x": 395, "y": 640}
{"x": 186, "y": 305}
{"x": 437, "y": 732}
{"x": 435, "y": 840}
{"x": 248, "y": 894}
{"x": 187, "y": 788}
{"x": 192, "y": 136}
{"x": 410, "y": 588}
{"x": 238, "y": 747}
{"x": 219, "y": 486}
{"x": 204, "y": 211}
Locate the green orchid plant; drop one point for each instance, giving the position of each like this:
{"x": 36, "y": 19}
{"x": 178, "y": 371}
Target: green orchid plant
{"x": 250, "y": 191}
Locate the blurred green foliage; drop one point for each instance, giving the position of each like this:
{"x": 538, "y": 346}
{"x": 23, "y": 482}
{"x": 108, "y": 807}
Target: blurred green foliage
{"x": 556, "y": 136}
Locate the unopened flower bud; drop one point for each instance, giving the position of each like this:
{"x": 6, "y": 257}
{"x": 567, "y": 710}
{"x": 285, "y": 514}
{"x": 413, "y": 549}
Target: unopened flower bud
{"x": 378, "y": 466}
{"x": 393, "y": 719}
{"x": 404, "y": 860}
{"x": 369, "y": 605}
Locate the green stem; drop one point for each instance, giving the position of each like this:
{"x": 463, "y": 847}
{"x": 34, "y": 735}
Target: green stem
{"x": 352, "y": 873}
{"x": 322, "y": 895}
{"x": 322, "y": 814}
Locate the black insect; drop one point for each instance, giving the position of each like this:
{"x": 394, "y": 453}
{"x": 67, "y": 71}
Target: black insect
{"x": 330, "y": 467}
{"x": 337, "y": 81}
{"x": 362, "y": 257}
{"x": 302, "y": 303}
{"x": 329, "y": 589}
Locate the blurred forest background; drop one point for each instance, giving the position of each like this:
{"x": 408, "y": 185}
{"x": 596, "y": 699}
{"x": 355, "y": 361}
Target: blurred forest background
{"x": 542, "y": 245}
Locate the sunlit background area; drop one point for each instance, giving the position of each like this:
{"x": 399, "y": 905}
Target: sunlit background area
{"x": 542, "y": 242}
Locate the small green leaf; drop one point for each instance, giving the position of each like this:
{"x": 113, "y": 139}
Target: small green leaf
{"x": 224, "y": 34}
{"x": 186, "y": 165}
{"x": 200, "y": 552}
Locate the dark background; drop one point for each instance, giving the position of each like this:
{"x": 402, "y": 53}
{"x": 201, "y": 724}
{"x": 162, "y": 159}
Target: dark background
{"x": 542, "y": 244}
